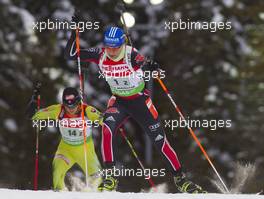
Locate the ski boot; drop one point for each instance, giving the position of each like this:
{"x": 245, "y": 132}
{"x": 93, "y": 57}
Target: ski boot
{"x": 108, "y": 184}
{"x": 186, "y": 186}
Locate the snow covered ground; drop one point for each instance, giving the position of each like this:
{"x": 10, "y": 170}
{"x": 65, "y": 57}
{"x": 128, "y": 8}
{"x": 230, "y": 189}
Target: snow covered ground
{"x": 21, "y": 194}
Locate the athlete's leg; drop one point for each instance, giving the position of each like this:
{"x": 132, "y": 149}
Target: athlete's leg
{"x": 93, "y": 163}
{"x": 92, "y": 159}
{"x": 114, "y": 117}
{"x": 62, "y": 162}
{"x": 145, "y": 113}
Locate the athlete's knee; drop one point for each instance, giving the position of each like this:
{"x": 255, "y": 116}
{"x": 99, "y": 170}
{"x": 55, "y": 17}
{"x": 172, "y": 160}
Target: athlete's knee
{"x": 155, "y": 132}
{"x": 60, "y": 166}
{"x": 61, "y": 160}
{"x": 155, "y": 127}
{"x": 158, "y": 141}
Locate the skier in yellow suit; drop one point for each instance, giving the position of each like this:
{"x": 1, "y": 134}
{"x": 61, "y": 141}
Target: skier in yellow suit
{"x": 71, "y": 149}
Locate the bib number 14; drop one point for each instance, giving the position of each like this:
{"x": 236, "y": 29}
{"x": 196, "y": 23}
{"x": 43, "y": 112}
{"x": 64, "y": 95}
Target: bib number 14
{"x": 75, "y": 133}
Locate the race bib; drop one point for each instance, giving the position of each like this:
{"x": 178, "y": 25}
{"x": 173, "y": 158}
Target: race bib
{"x": 71, "y": 130}
{"x": 123, "y": 83}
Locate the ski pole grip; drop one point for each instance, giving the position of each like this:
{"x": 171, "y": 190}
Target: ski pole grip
{"x": 38, "y": 85}
{"x": 36, "y": 90}
{"x": 120, "y": 7}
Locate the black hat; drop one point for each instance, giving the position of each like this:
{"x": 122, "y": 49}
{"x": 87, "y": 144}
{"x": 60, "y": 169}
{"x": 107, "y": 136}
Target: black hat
{"x": 71, "y": 97}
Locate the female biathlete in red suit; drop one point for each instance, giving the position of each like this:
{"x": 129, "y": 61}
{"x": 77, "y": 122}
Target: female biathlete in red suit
{"x": 118, "y": 62}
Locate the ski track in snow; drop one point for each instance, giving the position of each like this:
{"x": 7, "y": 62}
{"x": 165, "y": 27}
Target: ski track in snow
{"x": 26, "y": 194}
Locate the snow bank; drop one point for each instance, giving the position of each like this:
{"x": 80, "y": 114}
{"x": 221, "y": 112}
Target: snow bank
{"x": 20, "y": 194}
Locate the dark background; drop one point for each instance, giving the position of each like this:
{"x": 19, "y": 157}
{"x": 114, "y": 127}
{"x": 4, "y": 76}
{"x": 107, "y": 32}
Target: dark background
{"x": 211, "y": 75}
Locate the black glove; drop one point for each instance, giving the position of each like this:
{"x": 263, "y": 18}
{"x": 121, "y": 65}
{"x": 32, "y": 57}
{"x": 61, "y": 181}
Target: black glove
{"x": 150, "y": 65}
{"x": 36, "y": 91}
{"x": 76, "y": 16}
{"x": 32, "y": 105}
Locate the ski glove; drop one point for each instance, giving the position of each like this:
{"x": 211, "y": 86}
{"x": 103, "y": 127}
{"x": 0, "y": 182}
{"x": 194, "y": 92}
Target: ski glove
{"x": 32, "y": 105}
{"x": 76, "y": 17}
{"x": 150, "y": 65}
{"x": 36, "y": 91}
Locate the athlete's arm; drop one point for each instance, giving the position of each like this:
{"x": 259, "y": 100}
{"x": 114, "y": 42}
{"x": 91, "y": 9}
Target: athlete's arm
{"x": 31, "y": 107}
{"x": 51, "y": 112}
{"x": 86, "y": 55}
{"x": 94, "y": 115}
{"x": 139, "y": 61}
